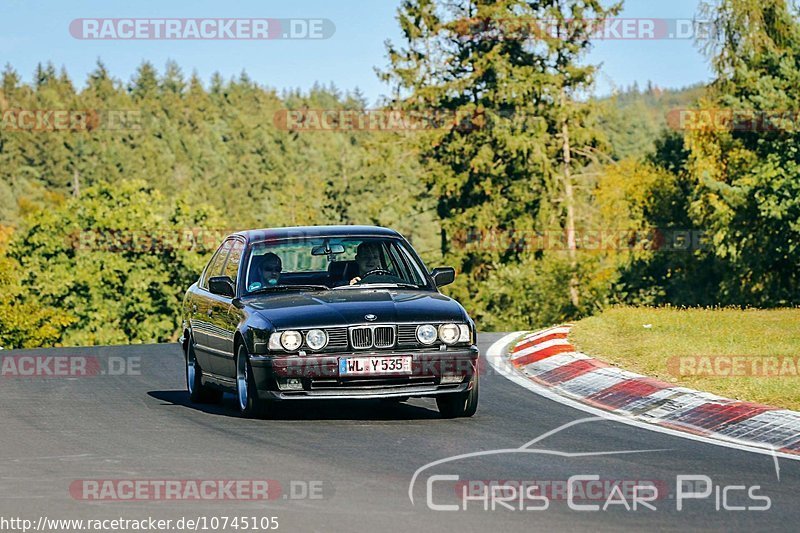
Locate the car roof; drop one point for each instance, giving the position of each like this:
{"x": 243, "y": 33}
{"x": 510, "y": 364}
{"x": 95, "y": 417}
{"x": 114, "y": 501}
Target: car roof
{"x": 316, "y": 231}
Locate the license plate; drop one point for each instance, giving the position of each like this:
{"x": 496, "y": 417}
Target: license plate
{"x": 370, "y": 366}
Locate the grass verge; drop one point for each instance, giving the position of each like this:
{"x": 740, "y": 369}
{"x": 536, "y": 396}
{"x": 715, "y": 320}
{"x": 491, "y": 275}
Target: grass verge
{"x": 750, "y": 355}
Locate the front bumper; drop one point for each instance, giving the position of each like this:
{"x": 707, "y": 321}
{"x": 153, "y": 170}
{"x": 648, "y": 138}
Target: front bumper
{"x": 320, "y": 379}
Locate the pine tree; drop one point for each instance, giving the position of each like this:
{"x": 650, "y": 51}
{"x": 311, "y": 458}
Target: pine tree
{"x": 145, "y": 82}
{"x": 10, "y": 80}
{"x": 172, "y": 81}
{"x": 100, "y": 83}
{"x": 516, "y": 136}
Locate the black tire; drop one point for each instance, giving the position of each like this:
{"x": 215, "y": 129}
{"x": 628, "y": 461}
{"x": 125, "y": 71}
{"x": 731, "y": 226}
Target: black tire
{"x": 250, "y": 406}
{"x": 460, "y": 404}
{"x": 198, "y": 393}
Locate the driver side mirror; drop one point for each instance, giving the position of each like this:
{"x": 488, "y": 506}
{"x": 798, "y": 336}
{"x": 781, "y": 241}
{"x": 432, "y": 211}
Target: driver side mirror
{"x": 222, "y": 286}
{"x": 443, "y": 276}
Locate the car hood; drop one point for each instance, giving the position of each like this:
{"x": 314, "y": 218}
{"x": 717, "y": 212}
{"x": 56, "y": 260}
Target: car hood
{"x": 350, "y": 306}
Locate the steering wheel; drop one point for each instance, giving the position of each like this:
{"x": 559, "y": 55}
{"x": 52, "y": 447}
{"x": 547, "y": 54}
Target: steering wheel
{"x": 377, "y": 272}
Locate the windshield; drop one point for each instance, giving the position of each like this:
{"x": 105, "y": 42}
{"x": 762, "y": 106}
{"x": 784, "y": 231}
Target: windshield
{"x": 332, "y": 263}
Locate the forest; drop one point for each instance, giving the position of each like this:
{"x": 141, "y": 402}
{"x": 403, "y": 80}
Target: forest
{"x": 552, "y": 204}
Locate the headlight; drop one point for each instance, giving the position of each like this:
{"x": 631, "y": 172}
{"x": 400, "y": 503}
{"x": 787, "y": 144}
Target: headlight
{"x": 426, "y": 334}
{"x": 464, "y": 335}
{"x": 316, "y": 339}
{"x": 291, "y": 340}
{"x": 449, "y": 333}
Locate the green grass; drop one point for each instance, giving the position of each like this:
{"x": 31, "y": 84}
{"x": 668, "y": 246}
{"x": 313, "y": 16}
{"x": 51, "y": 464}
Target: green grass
{"x": 619, "y": 336}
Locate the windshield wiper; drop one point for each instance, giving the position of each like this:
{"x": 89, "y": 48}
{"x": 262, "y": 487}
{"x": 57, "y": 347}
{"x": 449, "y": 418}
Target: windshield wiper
{"x": 276, "y": 288}
{"x": 386, "y": 285}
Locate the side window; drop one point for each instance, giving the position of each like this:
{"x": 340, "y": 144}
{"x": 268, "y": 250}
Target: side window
{"x": 214, "y": 267}
{"x": 232, "y": 266}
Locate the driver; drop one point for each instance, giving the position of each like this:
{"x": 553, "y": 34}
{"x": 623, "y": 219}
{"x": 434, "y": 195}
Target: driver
{"x": 368, "y": 257}
{"x": 269, "y": 270}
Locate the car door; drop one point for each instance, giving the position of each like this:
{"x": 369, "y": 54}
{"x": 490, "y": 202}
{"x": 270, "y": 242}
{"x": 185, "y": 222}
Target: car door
{"x": 202, "y": 314}
{"x": 223, "y": 317}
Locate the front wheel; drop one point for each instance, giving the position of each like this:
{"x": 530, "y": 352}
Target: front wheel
{"x": 459, "y": 404}
{"x": 250, "y": 406}
{"x": 198, "y": 393}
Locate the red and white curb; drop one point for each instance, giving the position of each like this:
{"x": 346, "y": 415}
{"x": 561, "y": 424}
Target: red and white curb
{"x": 553, "y": 368}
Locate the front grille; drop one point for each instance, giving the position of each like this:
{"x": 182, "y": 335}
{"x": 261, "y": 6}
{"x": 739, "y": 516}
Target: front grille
{"x": 337, "y": 338}
{"x": 364, "y": 337}
{"x": 383, "y": 336}
{"x": 361, "y": 338}
{"x": 407, "y": 335}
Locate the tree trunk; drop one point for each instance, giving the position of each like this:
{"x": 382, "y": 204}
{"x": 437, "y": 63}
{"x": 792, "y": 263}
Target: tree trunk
{"x": 569, "y": 198}
{"x": 76, "y": 183}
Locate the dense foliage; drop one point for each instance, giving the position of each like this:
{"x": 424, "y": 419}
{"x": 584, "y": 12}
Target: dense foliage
{"x": 551, "y": 205}
{"x": 105, "y": 226}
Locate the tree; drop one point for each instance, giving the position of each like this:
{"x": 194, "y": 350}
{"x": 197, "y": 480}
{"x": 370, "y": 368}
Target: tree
{"x": 24, "y": 324}
{"x": 515, "y": 137}
{"x": 220, "y": 148}
{"x": 172, "y": 81}
{"x": 117, "y": 259}
{"x": 747, "y": 194}
{"x": 100, "y": 82}
{"x": 145, "y": 82}
{"x": 10, "y": 80}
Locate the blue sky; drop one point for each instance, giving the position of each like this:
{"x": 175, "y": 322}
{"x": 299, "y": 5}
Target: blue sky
{"x": 33, "y": 31}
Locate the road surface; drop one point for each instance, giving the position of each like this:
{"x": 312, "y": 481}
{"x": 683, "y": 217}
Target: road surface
{"x": 348, "y": 466}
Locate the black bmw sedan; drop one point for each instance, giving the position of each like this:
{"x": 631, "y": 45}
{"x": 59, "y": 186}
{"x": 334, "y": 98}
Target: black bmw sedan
{"x": 326, "y": 312}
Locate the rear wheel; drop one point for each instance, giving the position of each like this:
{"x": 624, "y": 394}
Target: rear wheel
{"x": 459, "y": 404}
{"x": 250, "y": 406}
{"x": 198, "y": 393}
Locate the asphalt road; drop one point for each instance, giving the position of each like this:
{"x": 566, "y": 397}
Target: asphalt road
{"x": 358, "y": 458}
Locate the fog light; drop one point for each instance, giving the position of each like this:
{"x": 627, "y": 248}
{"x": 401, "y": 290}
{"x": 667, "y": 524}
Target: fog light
{"x": 449, "y": 379}
{"x": 290, "y": 384}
